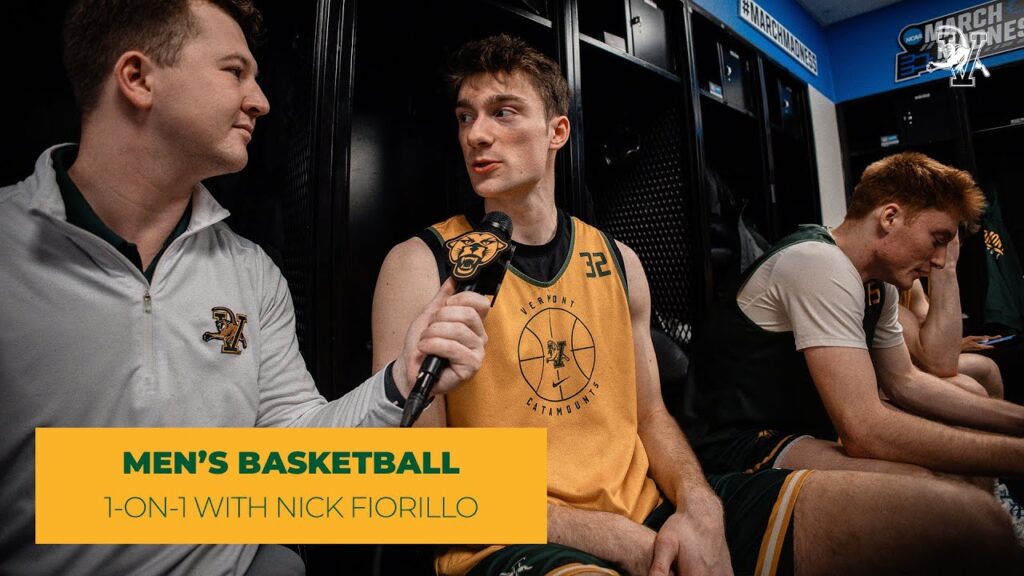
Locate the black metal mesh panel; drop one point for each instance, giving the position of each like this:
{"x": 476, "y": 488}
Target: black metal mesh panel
{"x": 297, "y": 215}
{"x": 293, "y": 109}
{"x": 646, "y": 206}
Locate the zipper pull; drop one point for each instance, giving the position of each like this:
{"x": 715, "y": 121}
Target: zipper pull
{"x": 147, "y": 303}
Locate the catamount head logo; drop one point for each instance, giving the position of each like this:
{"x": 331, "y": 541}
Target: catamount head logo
{"x": 472, "y": 250}
{"x": 229, "y": 330}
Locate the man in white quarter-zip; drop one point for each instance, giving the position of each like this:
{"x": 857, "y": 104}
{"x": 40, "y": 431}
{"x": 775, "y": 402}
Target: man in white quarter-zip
{"x": 129, "y": 302}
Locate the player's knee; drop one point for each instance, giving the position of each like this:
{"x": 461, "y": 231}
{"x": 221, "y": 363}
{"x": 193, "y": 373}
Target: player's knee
{"x": 992, "y": 379}
{"x": 986, "y": 528}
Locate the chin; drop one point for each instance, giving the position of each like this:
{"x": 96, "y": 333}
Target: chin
{"x": 487, "y": 190}
{"x": 235, "y": 163}
{"x": 905, "y": 284}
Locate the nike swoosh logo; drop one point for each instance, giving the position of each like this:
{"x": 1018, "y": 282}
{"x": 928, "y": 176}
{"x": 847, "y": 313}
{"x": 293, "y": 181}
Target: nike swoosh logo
{"x": 556, "y": 384}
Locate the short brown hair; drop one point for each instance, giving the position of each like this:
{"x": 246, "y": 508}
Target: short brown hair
{"x": 916, "y": 183}
{"x": 507, "y": 54}
{"x": 98, "y": 32}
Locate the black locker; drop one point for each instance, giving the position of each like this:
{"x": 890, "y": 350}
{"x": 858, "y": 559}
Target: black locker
{"x": 735, "y": 74}
{"x": 757, "y": 151}
{"x": 650, "y": 33}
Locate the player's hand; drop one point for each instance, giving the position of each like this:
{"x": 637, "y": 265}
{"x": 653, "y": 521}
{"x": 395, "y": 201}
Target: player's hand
{"x": 974, "y": 343}
{"x": 692, "y": 541}
{"x": 952, "y": 253}
{"x": 451, "y": 327}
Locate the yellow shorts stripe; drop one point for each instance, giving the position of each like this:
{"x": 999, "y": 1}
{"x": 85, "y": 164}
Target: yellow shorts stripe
{"x": 770, "y": 454}
{"x": 577, "y": 569}
{"x": 778, "y": 523}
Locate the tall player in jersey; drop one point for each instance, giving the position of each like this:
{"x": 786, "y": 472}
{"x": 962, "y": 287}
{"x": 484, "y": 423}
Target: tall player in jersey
{"x": 569, "y": 348}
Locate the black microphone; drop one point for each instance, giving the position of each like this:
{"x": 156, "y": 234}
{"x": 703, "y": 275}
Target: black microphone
{"x": 479, "y": 259}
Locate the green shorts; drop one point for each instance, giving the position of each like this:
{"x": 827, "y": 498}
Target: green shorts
{"x": 758, "y": 528}
{"x": 734, "y": 450}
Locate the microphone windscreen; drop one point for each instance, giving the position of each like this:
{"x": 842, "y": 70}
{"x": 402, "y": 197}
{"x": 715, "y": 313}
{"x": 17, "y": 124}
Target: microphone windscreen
{"x": 497, "y": 223}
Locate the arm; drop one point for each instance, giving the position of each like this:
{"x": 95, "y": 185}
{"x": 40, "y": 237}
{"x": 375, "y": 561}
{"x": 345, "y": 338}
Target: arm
{"x": 692, "y": 540}
{"x": 606, "y": 535}
{"x": 407, "y": 282}
{"x": 941, "y": 325}
{"x": 447, "y": 324}
{"x": 287, "y": 394}
{"x": 868, "y": 429}
{"x": 931, "y": 397}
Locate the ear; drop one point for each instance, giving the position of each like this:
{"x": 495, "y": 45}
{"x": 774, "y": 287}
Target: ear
{"x": 888, "y": 216}
{"x": 559, "y": 133}
{"x": 133, "y": 78}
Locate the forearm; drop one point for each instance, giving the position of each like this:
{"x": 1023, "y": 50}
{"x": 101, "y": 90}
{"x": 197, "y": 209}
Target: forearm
{"x": 673, "y": 465}
{"x": 364, "y": 406}
{"x": 942, "y": 329}
{"x": 869, "y": 429}
{"x": 900, "y": 437}
{"x": 606, "y": 535}
{"x": 925, "y": 395}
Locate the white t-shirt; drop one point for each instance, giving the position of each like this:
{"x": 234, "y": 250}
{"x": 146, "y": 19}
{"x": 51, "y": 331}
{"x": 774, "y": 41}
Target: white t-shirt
{"x": 813, "y": 290}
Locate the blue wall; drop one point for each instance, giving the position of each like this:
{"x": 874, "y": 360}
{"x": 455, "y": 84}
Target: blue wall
{"x": 864, "y": 48}
{"x": 799, "y": 23}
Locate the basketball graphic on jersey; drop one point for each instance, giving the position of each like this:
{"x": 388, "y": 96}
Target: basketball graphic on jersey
{"x": 556, "y": 354}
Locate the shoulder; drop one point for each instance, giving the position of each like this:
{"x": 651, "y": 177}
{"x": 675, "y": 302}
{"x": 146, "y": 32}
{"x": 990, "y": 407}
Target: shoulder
{"x": 630, "y": 260}
{"x": 448, "y": 229}
{"x": 18, "y": 197}
{"x": 7, "y": 193}
{"x": 412, "y": 261}
{"x": 410, "y": 252}
{"x": 800, "y": 262}
{"x": 637, "y": 290}
{"x": 807, "y": 276}
{"x": 245, "y": 257}
{"x": 618, "y": 249}
{"x": 20, "y": 229}
{"x": 812, "y": 251}
{"x": 14, "y": 205}
{"x": 226, "y": 239}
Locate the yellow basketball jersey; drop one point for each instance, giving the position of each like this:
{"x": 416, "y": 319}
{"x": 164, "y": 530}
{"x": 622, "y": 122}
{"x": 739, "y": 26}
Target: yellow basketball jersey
{"x": 905, "y": 298}
{"x": 560, "y": 355}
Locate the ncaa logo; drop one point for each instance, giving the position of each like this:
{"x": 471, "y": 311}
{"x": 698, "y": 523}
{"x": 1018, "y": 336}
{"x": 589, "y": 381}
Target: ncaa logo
{"x": 912, "y": 37}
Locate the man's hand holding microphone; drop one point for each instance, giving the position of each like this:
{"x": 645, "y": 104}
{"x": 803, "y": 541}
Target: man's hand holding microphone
{"x": 444, "y": 346}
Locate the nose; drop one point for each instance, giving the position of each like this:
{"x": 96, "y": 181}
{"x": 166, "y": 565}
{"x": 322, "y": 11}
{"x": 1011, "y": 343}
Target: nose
{"x": 478, "y": 134}
{"x": 255, "y": 104}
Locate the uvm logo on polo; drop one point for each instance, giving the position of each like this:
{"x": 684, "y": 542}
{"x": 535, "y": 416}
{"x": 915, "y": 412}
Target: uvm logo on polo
{"x": 556, "y": 359}
{"x": 468, "y": 252}
{"x": 230, "y": 330}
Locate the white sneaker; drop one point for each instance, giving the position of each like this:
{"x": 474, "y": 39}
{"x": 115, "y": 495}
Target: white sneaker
{"x": 1015, "y": 510}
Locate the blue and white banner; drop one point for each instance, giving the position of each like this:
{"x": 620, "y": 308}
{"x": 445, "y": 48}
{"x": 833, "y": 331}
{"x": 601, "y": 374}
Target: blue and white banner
{"x": 958, "y": 40}
{"x": 757, "y": 17}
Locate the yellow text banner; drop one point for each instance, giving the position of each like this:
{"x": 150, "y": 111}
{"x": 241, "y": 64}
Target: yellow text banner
{"x": 314, "y": 486}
